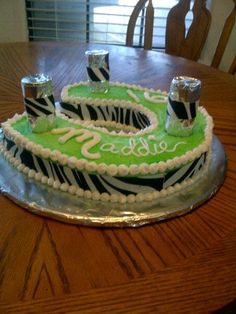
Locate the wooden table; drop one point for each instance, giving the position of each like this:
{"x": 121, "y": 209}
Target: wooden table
{"x": 183, "y": 265}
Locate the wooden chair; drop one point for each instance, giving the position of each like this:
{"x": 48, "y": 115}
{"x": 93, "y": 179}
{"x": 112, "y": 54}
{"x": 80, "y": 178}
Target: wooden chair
{"x": 224, "y": 38}
{"x": 177, "y": 42}
{"x": 149, "y": 20}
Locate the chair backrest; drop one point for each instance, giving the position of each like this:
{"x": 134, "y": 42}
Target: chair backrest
{"x": 224, "y": 38}
{"x": 177, "y": 41}
{"x": 149, "y": 20}
{"x": 232, "y": 69}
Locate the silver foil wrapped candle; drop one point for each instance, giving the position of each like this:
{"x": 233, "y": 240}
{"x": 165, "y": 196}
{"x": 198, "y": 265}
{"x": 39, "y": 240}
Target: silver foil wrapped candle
{"x": 39, "y": 102}
{"x": 182, "y": 105}
{"x": 98, "y": 70}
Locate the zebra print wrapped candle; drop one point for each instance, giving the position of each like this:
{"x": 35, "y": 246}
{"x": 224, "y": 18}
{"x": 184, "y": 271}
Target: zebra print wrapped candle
{"x": 98, "y": 70}
{"x": 39, "y": 102}
{"x": 182, "y": 105}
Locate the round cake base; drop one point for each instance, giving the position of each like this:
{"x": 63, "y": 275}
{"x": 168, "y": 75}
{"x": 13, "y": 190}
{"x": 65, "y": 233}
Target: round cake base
{"x": 45, "y": 201}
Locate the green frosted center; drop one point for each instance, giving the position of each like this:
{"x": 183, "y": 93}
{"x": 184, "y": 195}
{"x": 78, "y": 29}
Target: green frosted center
{"x": 128, "y": 149}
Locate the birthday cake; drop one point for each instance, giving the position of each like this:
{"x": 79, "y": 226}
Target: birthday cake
{"x": 110, "y": 146}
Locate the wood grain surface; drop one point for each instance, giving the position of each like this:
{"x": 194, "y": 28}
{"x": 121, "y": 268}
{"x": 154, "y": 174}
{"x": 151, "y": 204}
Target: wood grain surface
{"x": 183, "y": 265}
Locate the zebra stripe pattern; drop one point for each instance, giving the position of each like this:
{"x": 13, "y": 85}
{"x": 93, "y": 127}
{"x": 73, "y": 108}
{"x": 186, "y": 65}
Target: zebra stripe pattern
{"x": 181, "y": 110}
{"x": 98, "y": 69}
{"x": 104, "y": 183}
{"x": 40, "y": 106}
{"x": 125, "y": 116}
{"x": 98, "y": 74}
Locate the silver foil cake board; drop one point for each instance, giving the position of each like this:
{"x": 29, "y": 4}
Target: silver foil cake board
{"x": 46, "y": 201}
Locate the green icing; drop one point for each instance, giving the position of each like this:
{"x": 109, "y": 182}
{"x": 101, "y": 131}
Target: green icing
{"x": 117, "y": 143}
{"x": 44, "y": 123}
{"x": 114, "y": 92}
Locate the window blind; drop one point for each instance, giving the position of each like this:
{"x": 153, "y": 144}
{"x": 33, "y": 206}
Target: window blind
{"x": 95, "y": 21}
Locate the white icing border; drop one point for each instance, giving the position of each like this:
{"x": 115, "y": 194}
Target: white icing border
{"x": 102, "y": 125}
{"x": 101, "y": 168}
{"x": 105, "y": 197}
{"x": 64, "y": 94}
{"x": 112, "y": 102}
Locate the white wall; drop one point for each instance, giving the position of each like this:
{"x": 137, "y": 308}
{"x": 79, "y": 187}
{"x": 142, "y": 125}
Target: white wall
{"x": 13, "y": 25}
{"x": 220, "y": 9}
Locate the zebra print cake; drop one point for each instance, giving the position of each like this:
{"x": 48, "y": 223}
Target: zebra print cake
{"x": 110, "y": 147}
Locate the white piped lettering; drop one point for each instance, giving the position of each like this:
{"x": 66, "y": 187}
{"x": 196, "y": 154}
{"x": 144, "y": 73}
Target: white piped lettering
{"x": 140, "y": 148}
{"x": 81, "y": 135}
